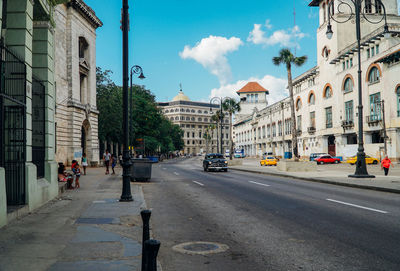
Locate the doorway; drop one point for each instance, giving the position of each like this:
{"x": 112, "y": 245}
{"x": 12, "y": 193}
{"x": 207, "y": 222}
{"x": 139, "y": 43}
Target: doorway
{"x": 331, "y": 145}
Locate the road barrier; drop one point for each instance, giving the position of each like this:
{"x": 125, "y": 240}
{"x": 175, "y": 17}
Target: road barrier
{"x": 149, "y": 247}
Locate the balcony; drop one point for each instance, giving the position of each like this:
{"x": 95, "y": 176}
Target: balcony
{"x": 373, "y": 120}
{"x": 347, "y": 124}
{"x": 298, "y": 131}
{"x": 311, "y": 130}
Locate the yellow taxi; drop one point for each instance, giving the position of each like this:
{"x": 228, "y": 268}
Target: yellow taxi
{"x": 368, "y": 160}
{"x": 269, "y": 161}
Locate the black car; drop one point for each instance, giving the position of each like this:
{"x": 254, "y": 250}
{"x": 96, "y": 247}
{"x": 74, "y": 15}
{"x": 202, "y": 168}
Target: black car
{"x": 215, "y": 161}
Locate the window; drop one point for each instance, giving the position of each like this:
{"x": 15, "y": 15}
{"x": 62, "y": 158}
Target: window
{"x": 375, "y": 106}
{"x": 187, "y": 118}
{"x": 252, "y": 98}
{"x": 328, "y": 117}
{"x": 348, "y": 85}
{"x": 373, "y": 76}
{"x": 372, "y": 51}
{"x": 368, "y": 53}
{"x": 349, "y": 111}
{"x": 200, "y": 134}
{"x": 268, "y": 131}
{"x": 368, "y": 6}
{"x": 298, "y": 104}
{"x": 312, "y": 119}
{"x": 263, "y": 129}
{"x": 344, "y": 65}
{"x": 298, "y": 123}
{"x": 193, "y": 134}
{"x": 259, "y": 132}
{"x": 398, "y": 101}
{"x": 312, "y": 99}
{"x": 200, "y": 119}
{"x": 351, "y": 62}
{"x": 327, "y": 92}
{"x": 248, "y": 98}
{"x": 378, "y": 6}
{"x": 192, "y": 111}
{"x": 256, "y": 97}
{"x": 187, "y": 134}
{"x": 273, "y": 130}
{"x": 377, "y": 49}
{"x": 347, "y": 64}
{"x": 280, "y": 128}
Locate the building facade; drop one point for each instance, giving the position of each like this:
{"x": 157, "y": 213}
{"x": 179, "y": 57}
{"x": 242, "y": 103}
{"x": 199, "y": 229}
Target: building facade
{"x": 28, "y": 169}
{"x": 75, "y": 66}
{"x": 326, "y": 96}
{"x": 195, "y": 120}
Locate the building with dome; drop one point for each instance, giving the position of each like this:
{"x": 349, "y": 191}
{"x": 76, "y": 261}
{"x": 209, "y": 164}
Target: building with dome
{"x": 194, "y": 118}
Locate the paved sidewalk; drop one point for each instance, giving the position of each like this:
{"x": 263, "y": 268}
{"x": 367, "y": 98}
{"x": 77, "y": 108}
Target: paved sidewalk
{"x": 84, "y": 229}
{"x": 333, "y": 174}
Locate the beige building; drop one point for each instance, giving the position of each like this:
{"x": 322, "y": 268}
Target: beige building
{"x": 75, "y": 76}
{"x": 194, "y": 118}
{"x": 326, "y": 96}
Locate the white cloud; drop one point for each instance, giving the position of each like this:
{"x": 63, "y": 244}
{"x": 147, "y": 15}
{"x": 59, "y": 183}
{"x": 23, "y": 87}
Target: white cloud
{"x": 211, "y": 53}
{"x": 287, "y": 38}
{"x": 276, "y": 86}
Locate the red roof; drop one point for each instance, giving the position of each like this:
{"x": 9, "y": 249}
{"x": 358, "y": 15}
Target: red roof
{"x": 252, "y": 87}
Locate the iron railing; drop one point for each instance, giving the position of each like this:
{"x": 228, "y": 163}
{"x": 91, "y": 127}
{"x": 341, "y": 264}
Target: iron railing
{"x": 38, "y": 126}
{"x": 13, "y": 125}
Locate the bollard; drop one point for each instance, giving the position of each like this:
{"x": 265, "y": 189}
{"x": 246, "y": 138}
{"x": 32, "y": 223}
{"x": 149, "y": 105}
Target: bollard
{"x": 146, "y": 233}
{"x": 151, "y": 248}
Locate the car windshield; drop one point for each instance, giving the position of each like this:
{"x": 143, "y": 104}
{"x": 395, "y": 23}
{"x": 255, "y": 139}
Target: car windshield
{"x": 270, "y": 157}
{"x": 214, "y": 156}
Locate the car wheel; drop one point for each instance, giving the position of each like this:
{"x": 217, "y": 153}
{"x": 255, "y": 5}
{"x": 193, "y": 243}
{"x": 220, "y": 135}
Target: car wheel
{"x": 317, "y": 163}
{"x": 375, "y": 162}
{"x": 204, "y": 168}
{"x": 226, "y": 170}
{"x": 321, "y": 163}
{"x": 336, "y": 162}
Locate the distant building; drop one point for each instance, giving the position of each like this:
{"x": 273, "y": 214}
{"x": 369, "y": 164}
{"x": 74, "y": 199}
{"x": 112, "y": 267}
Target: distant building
{"x": 75, "y": 76}
{"x": 194, "y": 118}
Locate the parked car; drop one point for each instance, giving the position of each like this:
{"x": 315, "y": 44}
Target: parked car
{"x": 368, "y": 159}
{"x": 239, "y": 154}
{"x": 215, "y": 161}
{"x": 315, "y": 155}
{"x": 326, "y": 159}
{"x": 269, "y": 161}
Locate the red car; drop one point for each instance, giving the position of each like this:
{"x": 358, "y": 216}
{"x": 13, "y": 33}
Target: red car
{"x": 327, "y": 159}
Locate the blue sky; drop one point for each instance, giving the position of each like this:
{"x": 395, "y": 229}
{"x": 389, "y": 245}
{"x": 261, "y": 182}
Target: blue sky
{"x": 212, "y": 47}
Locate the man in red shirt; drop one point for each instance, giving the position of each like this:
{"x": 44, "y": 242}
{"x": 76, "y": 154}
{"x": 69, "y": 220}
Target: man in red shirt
{"x": 385, "y": 164}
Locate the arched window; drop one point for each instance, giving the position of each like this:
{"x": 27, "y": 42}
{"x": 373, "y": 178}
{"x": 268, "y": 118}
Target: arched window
{"x": 182, "y": 110}
{"x": 200, "y": 119}
{"x": 348, "y": 85}
{"x": 199, "y": 111}
{"x": 205, "y": 120}
{"x": 193, "y": 111}
{"x": 176, "y": 118}
{"x": 167, "y": 111}
{"x": 373, "y": 75}
{"x": 205, "y": 112}
{"x": 187, "y": 111}
{"x": 311, "y": 98}
{"x": 327, "y": 92}
{"x": 298, "y": 104}
{"x": 187, "y": 118}
{"x": 176, "y": 110}
{"x": 192, "y": 118}
{"x": 325, "y": 52}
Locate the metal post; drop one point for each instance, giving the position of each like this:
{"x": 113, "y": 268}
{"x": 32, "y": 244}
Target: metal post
{"x": 221, "y": 123}
{"x": 151, "y": 248}
{"x": 131, "y": 113}
{"x": 126, "y": 195}
{"x": 145, "y": 214}
{"x": 361, "y": 166}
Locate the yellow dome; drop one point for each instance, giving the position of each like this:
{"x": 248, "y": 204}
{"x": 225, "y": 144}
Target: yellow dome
{"x": 181, "y": 97}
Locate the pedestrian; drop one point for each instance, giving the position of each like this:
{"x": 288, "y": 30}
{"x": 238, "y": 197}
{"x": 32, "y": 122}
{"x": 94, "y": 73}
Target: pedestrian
{"x": 385, "y": 165}
{"x": 120, "y": 159}
{"x": 106, "y": 158}
{"x": 77, "y": 173}
{"x": 84, "y": 163}
{"x": 113, "y": 163}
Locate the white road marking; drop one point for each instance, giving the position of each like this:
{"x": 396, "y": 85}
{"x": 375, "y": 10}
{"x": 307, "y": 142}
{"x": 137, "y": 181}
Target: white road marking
{"x": 198, "y": 183}
{"x": 99, "y": 201}
{"x": 164, "y": 168}
{"x": 259, "y": 183}
{"x": 176, "y": 173}
{"x": 357, "y": 206}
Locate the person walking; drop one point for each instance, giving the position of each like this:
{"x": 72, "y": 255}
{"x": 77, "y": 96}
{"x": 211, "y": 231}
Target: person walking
{"x": 113, "y": 163}
{"x": 77, "y": 173}
{"x": 84, "y": 163}
{"x": 106, "y": 158}
{"x": 385, "y": 165}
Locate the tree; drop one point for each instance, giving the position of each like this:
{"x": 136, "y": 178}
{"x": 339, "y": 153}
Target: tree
{"x": 217, "y": 119}
{"x": 287, "y": 58}
{"x": 231, "y": 106}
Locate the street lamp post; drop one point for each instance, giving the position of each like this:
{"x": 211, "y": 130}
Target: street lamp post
{"x": 126, "y": 195}
{"x": 136, "y": 69}
{"x": 220, "y": 100}
{"x": 361, "y": 166}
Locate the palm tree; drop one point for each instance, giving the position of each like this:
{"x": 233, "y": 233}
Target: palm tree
{"x": 231, "y": 106}
{"x": 286, "y": 57}
{"x": 216, "y": 118}
{"x": 208, "y": 135}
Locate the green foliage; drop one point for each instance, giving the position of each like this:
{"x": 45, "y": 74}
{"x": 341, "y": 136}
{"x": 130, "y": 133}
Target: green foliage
{"x": 148, "y": 123}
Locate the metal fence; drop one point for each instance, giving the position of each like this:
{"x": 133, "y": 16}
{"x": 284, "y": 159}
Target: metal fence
{"x": 38, "y": 126}
{"x": 13, "y": 125}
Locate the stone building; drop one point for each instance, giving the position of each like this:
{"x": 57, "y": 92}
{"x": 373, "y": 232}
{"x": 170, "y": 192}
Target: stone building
{"x": 75, "y": 67}
{"x": 28, "y": 169}
{"x": 194, "y": 118}
{"x": 326, "y": 95}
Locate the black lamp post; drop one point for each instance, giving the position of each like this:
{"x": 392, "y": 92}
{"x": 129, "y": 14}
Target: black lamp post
{"x": 136, "y": 69}
{"x": 126, "y": 195}
{"x": 345, "y": 8}
{"x": 220, "y": 100}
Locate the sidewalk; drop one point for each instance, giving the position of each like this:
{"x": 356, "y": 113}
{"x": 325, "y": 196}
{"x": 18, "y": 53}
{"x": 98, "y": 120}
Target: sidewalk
{"x": 334, "y": 174}
{"x": 84, "y": 229}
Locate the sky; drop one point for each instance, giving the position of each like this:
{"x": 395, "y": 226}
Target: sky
{"x": 211, "y": 47}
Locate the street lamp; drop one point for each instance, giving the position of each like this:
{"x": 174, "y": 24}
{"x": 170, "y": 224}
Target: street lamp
{"x": 136, "y": 69}
{"x": 342, "y": 6}
{"x": 126, "y": 195}
{"x": 220, "y": 101}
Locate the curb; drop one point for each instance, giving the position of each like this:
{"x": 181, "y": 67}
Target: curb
{"x": 376, "y": 188}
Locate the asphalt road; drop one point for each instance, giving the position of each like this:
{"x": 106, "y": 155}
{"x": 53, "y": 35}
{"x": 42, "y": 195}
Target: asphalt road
{"x": 270, "y": 223}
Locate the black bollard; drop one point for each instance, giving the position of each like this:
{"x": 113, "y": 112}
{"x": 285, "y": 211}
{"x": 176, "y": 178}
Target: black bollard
{"x": 146, "y": 234}
{"x": 151, "y": 248}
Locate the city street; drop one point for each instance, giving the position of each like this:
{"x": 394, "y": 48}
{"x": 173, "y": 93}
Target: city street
{"x": 269, "y": 223}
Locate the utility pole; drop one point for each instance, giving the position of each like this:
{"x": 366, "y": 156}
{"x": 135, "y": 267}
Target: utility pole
{"x": 384, "y": 127}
